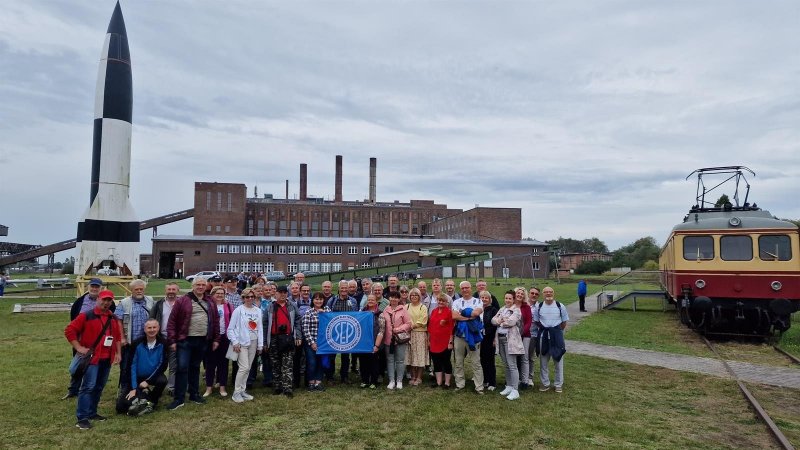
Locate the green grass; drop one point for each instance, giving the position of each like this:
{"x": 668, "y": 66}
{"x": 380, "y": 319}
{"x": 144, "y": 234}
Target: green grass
{"x": 648, "y": 328}
{"x": 605, "y": 404}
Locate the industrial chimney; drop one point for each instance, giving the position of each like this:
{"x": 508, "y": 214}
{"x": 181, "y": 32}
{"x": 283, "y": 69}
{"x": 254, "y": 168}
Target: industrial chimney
{"x": 373, "y": 164}
{"x": 303, "y": 182}
{"x": 287, "y": 189}
{"x": 338, "y": 196}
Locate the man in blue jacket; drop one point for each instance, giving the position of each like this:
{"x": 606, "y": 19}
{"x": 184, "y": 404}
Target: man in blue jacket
{"x": 149, "y": 360}
{"x": 582, "y": 295}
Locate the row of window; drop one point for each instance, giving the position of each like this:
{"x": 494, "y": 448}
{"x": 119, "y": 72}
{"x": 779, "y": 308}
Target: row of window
{"x": 304, "y": 228}
{"x": 292, "y": 249}
{"x": 219, "y": 201}
{"x": 738, "y": 248}
{"x": 290, "y": 267}
{"x": 218, "y": 228}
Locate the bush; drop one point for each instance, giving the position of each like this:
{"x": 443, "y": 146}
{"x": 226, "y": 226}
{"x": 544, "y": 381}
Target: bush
{"x": 593, "y": 267}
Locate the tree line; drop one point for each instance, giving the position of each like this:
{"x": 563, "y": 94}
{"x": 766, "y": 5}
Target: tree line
{"x": 640, "y": 254}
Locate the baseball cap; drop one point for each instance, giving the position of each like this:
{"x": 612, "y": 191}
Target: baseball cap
{"x": 106, "y": 294}
{"x": 283, "y": 289}
{"x": 96, "y": 282}
{"x": 216, "y": 279}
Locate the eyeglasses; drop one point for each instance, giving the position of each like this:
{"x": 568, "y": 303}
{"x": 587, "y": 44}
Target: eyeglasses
{"x": 249, "y": 296}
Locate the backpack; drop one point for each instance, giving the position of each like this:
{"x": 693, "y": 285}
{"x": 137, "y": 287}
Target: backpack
{"x": 560, "y": 312}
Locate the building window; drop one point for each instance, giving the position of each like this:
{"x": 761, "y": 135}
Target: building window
{"x": 208, "y": 202}
{"x": 336, "y": 267}
{"x": 536, "y": 265}
{"x": 314, "y": 249}
{"x": 269, "y": 267}
{"x": 258, "y": 267}
{"x": 222, "y": 267}
{"x": 326, "y": 267}
{"x": 337, "y": 250}
{"x": 365, "y": 250}
{"x": 234, "y": 267}
{"x": 259, "y": 249}
{"x": 291, "y": 249}
{"x": 388, "y": 249}
{"x": 219, "y": 201}
{"x": 208, "y": 228}
{"x": 219, "y": 228}
{"x": 230, "y": 201}
{"x": 222, "y": 248}
{"x": 233, "y": 248}
{"x": 245, "y": 267}
{"x": 303, "y": 267}
{"x": 247, "y": 248}
{"x": 535, "y": 250}
{"x": 365, "y": 265}
{"x": 303, "y": 250}
{"x": 291, "y": 267}
{"x": 326, "y": 250}
{"x": 228, "y": 229}
{"x": 281, "y": 249}
{"x": 269, "y": 249}
{"x": 353, "y": 250}
{"x": 314, "y": 267}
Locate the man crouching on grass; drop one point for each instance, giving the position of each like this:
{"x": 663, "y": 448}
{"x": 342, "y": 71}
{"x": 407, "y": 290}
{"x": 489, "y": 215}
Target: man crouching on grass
{"x": 149, "y": 360}
{"x": 98, "y": 334}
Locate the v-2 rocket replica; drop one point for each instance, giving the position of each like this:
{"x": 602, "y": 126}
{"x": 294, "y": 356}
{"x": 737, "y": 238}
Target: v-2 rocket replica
{"x": 108, "y": 232}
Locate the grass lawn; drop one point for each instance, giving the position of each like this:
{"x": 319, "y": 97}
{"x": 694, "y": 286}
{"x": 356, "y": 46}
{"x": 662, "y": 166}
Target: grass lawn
{"x": 604, "y": 404}
{"x": 648, "y": 328}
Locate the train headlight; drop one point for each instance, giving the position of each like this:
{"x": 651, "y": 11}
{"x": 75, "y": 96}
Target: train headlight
{"x": 735, "y": 221}
{"x": 700, "y": 284}
{"x": 776, "y": 285}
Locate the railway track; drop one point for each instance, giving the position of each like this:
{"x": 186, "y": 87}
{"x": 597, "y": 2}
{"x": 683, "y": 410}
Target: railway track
{"x": 783, "y": 352}
{"x": 760, "y": 412}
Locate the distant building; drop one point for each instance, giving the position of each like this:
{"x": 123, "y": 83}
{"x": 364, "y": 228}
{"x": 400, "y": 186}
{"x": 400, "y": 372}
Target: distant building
{"x": 571, "y": 261}
{"x": 233, "y": 233}
{"x": 3, "y": 230}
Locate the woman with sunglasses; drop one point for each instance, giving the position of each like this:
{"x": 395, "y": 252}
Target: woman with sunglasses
{"x": 214, "y": 361}
{"x": 246, "y": 334}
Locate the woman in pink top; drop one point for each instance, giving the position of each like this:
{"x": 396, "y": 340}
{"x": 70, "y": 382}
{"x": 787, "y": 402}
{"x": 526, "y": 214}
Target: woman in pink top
{"x": 397, "y": 321}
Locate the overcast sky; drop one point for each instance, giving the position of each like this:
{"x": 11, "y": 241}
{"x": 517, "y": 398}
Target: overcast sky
{"x": 587, "y": 115}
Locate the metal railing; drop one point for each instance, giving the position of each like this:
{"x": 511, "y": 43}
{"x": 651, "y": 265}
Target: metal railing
{"x": 633, "y": 281}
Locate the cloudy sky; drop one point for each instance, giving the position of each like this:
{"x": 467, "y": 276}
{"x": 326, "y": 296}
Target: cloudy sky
{"x": 587, "y": 115}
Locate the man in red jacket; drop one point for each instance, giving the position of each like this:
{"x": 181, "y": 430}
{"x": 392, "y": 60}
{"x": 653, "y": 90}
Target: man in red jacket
{"x": 95, "y": 331}
{"x": 192, "y": 328}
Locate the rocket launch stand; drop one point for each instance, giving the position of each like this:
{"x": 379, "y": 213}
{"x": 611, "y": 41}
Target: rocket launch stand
{"x": 82, "y": 283}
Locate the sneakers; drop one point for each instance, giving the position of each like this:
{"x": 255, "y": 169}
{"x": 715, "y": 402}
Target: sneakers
{"x": 363, "y": 385}
{"x": 237, "y": 397}
{"x": 149, "y": 407}
{"x": 390, "y": 386}
{"x": 198, "y": 400}
{"x": 319, "y": 387}
{"x": 174, "y": 405}
{"x": 98, "y": 418}
{"x": 288, "y": 393}
{"x": 544, "y": 388}
{"x": 490, "y": 388}
{"x": 84, "y": 424}
{"x": 399, "y": 385}
{"x": 513, "y": 395}
{"x": 137, "y": 405}
{"x": 246, "y": 396}
{"x": 523, "y": 386}
{"x": 372, "y": 386}
{"x": 479, "y": 392}
{"x": 558, "y": 389}
{"x": 68, "y": 395}
{"x": 506, "y": 391}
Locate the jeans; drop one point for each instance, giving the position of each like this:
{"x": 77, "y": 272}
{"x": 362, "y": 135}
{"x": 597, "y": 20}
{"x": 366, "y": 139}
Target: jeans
{"x": 344, "y": 370}
{"x": 396, "y": 362}
{"x": 92, "y": 384}
{"x": 511, "y": 362}
{"x": 525, "y": 362}
{"x": 461, "y": 350}
{"x": 313, "y": 364}
{"x": 190, "y": 355}
{"x": 544, "y": 373}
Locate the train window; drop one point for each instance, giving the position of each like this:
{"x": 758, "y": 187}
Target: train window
{"x": 736, "y": 248}
{"x": 774, "y": 248}
{"x": 698, "y": 247}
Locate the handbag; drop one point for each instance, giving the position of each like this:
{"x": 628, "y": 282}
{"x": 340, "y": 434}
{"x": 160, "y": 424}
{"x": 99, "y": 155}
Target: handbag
{"x": 231, "y": 353}
{"x": 80, "y": 362}
{"x": 403, "y": 337}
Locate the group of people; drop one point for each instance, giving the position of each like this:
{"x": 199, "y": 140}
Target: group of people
{"x": 161, "y": 345}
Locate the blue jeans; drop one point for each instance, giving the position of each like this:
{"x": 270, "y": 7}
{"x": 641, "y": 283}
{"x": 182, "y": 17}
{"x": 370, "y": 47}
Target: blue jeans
{"x": 313, "y": 364}
{"x": 94, "y": 380}
{"x": 190, "y": 355}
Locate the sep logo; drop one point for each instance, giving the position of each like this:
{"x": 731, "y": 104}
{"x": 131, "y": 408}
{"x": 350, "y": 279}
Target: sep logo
{"x": 343, "y": 333}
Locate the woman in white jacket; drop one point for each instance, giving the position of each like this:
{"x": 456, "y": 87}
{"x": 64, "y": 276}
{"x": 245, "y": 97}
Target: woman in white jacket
{"x": 509, "y": 342}
{"x": 246, "y": 334}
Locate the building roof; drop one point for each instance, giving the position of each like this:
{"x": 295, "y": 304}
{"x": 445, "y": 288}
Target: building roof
{"x": 341, "y": 240}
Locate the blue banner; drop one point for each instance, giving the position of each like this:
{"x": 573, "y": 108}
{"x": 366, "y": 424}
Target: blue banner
{"x": 345, "y": 332}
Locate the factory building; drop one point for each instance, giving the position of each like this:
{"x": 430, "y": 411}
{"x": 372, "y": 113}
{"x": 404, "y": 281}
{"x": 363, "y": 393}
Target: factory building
{"x": 233, "y": 232}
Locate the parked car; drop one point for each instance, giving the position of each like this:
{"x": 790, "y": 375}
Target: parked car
{"x": 107, "y": 271}
{"x": 276, "y": 275}
{"x": 205, "y": 274}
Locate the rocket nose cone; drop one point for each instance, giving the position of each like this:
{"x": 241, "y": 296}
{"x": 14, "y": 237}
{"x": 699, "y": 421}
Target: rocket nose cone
{"x": 117, "y": 23}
